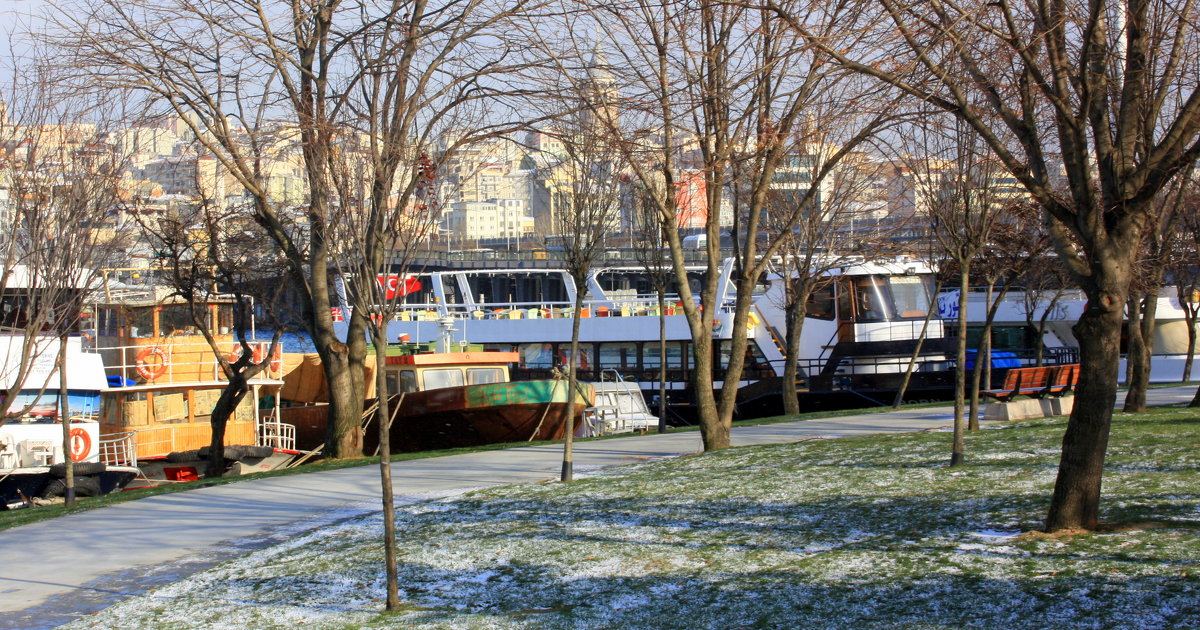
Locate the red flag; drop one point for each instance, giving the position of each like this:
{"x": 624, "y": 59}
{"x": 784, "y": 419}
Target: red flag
{"x": 393, "y": 288}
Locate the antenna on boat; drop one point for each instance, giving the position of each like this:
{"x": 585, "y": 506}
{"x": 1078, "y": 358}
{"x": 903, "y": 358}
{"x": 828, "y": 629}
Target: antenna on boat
{"x": 447, "y": 326}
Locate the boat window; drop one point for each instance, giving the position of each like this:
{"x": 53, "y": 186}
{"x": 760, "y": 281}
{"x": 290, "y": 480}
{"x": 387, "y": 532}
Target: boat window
{"x": 537, "y": 355}
{"x": 911, "y": 294}
{"x": 481, "y": 376}
{"x": 820, "y": 303}
{"x": 437, "y": 379}
{"x": 408, "y": 381}
{"x": 176, "y": 319}
{"x": 762, "y": 286}
{"x": 650, "y": 355}
{"x": 141, "y": 322}
{"x": 450, "y": 290}
{"x": 618, "y": 355}
{"x": 392, "y": 383}
{"x": 870, "y": 296}
{"x": 586, "y": 359}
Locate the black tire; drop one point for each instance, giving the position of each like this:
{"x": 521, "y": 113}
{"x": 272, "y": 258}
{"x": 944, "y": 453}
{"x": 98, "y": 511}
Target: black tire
{"x": 87, "y": 487}
{"x": 256, "y": 452}
{"x": 180, "y": 457}
{"x": 232, "y": 453}
{"x": 53, "y": 489}
{"x": 82, "y": 469}
{"x": 84, "y": 487}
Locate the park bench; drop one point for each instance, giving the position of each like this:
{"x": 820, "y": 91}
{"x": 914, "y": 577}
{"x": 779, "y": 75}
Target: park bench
{"x": 1036, "y": 382}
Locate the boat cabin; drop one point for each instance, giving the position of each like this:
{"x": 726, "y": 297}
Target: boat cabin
{"x": 423, "y": 372}
{"x": 164, "y": 379}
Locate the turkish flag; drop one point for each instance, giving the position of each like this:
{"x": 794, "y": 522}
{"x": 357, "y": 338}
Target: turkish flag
{"x": 393, "y": 287}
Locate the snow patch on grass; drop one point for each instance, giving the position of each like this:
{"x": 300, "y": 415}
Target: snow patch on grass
{"x": 870, "y": 532}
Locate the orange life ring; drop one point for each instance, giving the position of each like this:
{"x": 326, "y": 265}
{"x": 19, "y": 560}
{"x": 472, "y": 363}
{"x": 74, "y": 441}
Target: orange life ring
{"x": 151, "y": 369}
{"x": 277, "y": 360}
{"x": 258, "y": 353}
{"x": 81, "y": 444}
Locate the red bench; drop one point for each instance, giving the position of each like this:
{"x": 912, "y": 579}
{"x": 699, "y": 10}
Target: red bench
{"x": 1037, "y": 382}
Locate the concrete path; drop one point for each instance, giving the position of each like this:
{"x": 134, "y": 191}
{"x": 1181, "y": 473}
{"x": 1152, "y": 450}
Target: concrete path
{"x": 54, "y": 571}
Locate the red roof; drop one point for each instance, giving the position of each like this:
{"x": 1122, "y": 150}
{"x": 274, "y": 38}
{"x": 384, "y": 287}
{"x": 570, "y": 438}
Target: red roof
{"x": 449, "y": 358}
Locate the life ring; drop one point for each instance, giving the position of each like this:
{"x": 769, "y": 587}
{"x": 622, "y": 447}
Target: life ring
{"x": 150, "y": 369}
{"x": 81, "y": 444}
{"x": 277, "y": 360}
{"x": 258, "y": 353}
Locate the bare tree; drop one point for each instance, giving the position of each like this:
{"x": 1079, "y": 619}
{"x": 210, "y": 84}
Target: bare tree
{"x": 214, "y": 255}
{"x": 1157, "y": 248}
{"x": 734, "y": 120}
{"x": 61, "y": 183}
{"x": 826, "y": 236}
{"x": 954, "y": 180}
{"x": 585, "y": 191}
{"x": 1184, "y": 270}
{"x": 645, "y": 221}
{"x": 1094, "y": 109}
{"x": 227, "y": 69}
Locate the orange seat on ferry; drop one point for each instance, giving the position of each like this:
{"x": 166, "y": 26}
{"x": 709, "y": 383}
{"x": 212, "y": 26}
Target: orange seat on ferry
{"x": 601, "y": 311}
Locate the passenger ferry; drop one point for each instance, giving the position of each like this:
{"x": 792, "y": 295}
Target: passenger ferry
{"x": 861, "y": 331}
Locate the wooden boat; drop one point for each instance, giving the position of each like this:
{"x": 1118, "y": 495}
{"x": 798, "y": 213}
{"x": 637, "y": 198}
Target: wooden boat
{"x": 164, "y": 380}
{"x": 454, "y": 399}
{"x": 459, "y": 399}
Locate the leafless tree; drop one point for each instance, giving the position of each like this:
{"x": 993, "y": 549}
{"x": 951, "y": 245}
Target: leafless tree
{"x": 1184, "y": 270}
{"x": 585, "y": 195}
{"x": 210, "y": 255}
{"x": 691, "y": 103}
{"x": 1094, "y": 108}
{"x": 1011, "y": 249}
{"x": 954, "y": 179}
{"x": 59, "y": 184}
{"x": 1157, "y": 251}
{"x": 826, "y": 236}
{"x": 650, "y": 250}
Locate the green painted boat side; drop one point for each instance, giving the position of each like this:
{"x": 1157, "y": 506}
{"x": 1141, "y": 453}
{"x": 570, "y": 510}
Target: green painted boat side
{"x": 483, "y": 414}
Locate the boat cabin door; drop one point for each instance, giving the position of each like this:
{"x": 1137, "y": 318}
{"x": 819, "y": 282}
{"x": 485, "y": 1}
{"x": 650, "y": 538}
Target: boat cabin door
{"x": 860, "y": 299}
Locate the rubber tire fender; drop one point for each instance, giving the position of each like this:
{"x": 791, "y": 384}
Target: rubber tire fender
{"x": 82, "y": 469}
{"x": 84, "y": 487}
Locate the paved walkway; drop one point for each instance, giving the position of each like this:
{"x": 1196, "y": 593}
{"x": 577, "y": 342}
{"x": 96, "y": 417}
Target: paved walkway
{"x": 54, "y": 571}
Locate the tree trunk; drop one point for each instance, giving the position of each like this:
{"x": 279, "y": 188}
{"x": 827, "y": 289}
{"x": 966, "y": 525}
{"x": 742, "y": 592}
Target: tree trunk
{"x": 64, "y": 418}
{"x": 1076, "y": 499}
{"x": 1139, "y": 382}
{"x": 983, "y": 361}
{"x": 960, "y": 370}
{"x": 1133, "y": 353}
{"x": 232, "y": 396}
{"x": 791, "y": 363}
{"x": 568, "y": 463}
{"x": 1191, "y": 347}
{"x": 737, "y": 355}
{"x": 662, "y": 360}
{"x": 387, "y": 498}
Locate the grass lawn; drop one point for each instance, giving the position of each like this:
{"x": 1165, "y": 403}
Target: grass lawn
{"x": 871, "y": 532}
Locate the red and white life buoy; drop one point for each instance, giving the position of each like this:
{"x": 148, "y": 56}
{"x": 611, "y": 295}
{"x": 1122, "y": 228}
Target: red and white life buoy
{"x": 81, "y": 445}
{"x": 151, "y": 362}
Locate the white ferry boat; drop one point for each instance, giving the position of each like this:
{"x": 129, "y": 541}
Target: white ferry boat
{"x": 856, "y": 344}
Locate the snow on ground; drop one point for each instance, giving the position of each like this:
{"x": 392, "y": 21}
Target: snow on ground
{"x": 867, "y": 532}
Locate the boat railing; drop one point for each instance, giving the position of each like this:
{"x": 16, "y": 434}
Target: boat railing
{"x": 603, "y": 421}
{"x": 164, "y": 361}
{"x": 119, "y": 449}
{"x": 280, "y": 435}
{"x": 617, "y": 307}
